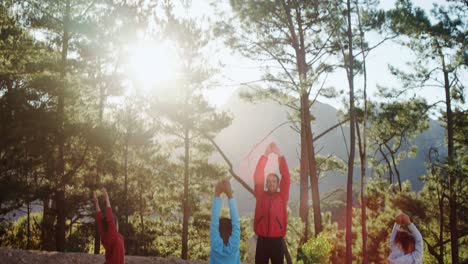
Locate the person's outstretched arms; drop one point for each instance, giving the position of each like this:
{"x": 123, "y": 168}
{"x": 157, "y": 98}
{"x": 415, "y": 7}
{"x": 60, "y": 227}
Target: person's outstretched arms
{"x": 234, "y": 239}
{"x": 396, "y": 227}
{"x": 259, "y": 175}
{"x": 96, "y": 202}
{"x": 98, "y": 213}
{"x": 106, "y": 196}
{"x": 111, "y": 227}
{"x": 284, "y": 170}
{"x": 216, "y": 240}
{"x": 418, "y": 241}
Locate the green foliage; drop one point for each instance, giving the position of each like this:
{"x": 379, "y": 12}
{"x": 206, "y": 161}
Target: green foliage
{"x": 136, "y": 148}
{"x": 438, "y": 42}
{"x": 80, "y": 239}
{"x": 317, "y": 249}
{"x": 327, "y": 247}
{"x": 392, "y": 127}
{"x": 272, "y": 31}
{"x": 16, "y": 234}
{"x": 439, "y": 45}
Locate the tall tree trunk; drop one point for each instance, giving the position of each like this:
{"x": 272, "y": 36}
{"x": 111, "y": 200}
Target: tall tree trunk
{"x": 127, "y": 139}
{"x": 313, "y": 172}
{"x": 47, "y": 226}
{"x": 186, "y": 196}
{"x": 60, "y": 193}
{"x": 365, "y": 258}
{"x": 395, "y": 167}
{"x": 28, "y": 220}
{"x": 297, "y": 42}
{"x": 97, "y": 238}
{"x": 453, "y": 218}
{"x": 142, "y": 222}
{"x": 362, "y": 155}
{"x": 304, "y": 182}
{"x": 349, "y": 185}
{"x": 28, "y": 201}
{"x": 389, "y": 166}
{"x": 61, "y": 220}
{"x": 305, "y": 104}
{"x": 363, "y": 145}
{"x": 441, "y": 229}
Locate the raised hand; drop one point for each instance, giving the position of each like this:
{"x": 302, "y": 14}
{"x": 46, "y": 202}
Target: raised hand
{"x": 275, "y": 149}
{"x": 227, "y": 188}
{"x": 219, "y": 189}
{"x": 268, "y": 150}
{"x": 398, "y": 219}
{"x": 403, "y": 219}
{"x": 96, "y": 202}
{"x": 106, "y": 196}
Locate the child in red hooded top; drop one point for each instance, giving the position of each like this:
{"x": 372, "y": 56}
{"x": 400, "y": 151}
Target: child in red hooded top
{"x": 111, "y": 239}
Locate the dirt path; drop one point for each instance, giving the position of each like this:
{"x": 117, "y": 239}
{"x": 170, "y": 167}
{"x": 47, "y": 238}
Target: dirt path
{"x": 16, "y": 256}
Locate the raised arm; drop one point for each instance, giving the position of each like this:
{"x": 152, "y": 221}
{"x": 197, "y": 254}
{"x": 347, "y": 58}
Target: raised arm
{"x": 398, "y": 221}
{"x": 215, "y": 237}
{"x": 106, "y": 196}
{"x": 284, "y": 170}
{"x": 111, "y": 227}
{"x": 259, "y": 175}
{"x": 418, "y": 245}
{"x": 96, "y": 202}
{"x": 393, "y": 246}
{"x": 418, "y": 241}
{"x": 98, "y": 215}
{"x": 285, "y": 178}
{"x": 234, "y": 239}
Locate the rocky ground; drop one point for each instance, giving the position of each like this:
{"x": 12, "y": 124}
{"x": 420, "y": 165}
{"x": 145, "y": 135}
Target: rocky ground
{"x": 16, "y": 256}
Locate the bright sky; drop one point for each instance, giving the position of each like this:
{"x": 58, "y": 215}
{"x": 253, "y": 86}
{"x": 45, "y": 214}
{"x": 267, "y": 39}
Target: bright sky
{"x": 240, "y": 70}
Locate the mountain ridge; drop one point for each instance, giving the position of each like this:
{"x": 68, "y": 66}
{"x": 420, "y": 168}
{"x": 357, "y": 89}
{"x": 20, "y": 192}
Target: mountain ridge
{"x": 253, "y": 122}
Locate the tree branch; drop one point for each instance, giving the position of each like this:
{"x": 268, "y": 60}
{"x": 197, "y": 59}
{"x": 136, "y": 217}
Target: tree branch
{"x": 231, "y": 170}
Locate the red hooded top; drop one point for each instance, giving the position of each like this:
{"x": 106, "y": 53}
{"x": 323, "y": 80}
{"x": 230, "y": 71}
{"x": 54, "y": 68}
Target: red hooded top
{"x": 111, "y": 239}
{"x": 271, "y": 216}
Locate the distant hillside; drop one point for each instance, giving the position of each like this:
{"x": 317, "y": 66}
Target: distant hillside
{"x": 252, "y": 122}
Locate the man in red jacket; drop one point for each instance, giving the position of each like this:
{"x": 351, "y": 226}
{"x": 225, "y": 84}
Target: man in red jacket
{"x": 271, "y": 217}
{"x": 111, "y": 239}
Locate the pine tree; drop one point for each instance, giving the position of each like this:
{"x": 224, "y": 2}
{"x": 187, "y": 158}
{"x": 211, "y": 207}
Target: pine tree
{"x": 439, "y": 47}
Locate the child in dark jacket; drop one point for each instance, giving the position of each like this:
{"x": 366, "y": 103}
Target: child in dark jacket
{"x": 111, "y": 239}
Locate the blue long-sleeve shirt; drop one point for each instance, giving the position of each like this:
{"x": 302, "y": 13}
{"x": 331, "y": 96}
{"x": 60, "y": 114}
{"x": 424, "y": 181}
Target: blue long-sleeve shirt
{"x": 221, "y": 253}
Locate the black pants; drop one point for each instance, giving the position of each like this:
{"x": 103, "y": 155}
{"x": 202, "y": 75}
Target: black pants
{"x": 269, "y": 248}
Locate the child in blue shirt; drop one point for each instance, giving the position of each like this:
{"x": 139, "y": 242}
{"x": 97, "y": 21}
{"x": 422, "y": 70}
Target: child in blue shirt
{"x": 224, "y": 232}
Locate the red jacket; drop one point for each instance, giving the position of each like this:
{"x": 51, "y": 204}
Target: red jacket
{"x": 111, "y": 239}
{"x": 271, "y": 216}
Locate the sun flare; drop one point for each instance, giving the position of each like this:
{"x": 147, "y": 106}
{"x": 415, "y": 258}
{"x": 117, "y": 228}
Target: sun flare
{"x": 152, "y": 63}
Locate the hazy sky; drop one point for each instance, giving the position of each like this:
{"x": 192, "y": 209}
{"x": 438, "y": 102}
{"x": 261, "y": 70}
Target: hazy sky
{"x": 240, "y": 70}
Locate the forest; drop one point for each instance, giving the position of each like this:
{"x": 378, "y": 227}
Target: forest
{"x": 118, "y": 94}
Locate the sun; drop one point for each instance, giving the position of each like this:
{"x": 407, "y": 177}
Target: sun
{"x": 152, "y": 63}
